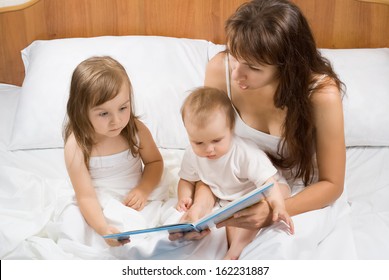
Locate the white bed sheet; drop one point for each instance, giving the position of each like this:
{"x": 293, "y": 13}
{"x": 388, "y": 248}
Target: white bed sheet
{"x": 368, "y": 192}
{"x": 34, "y": 182}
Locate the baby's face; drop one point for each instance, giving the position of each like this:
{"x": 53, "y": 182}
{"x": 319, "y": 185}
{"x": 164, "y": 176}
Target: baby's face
{"x": 212, "y": 140}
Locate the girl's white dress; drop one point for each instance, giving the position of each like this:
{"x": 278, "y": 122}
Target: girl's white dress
{"x": 113, "y": 177}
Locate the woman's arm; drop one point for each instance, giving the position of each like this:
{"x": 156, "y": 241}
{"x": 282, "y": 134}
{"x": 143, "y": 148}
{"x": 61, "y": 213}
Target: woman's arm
{"x": 85, "y": 193}
{"x": 152, "y": 172}
{"x": 330, "y": 153}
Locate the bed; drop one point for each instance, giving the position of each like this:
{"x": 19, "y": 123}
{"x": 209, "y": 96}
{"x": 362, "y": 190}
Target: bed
{"x": 173, "y": 50}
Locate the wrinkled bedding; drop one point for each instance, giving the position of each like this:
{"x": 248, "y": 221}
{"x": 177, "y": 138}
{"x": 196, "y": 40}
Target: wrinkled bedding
{"x": 35, "y": 189}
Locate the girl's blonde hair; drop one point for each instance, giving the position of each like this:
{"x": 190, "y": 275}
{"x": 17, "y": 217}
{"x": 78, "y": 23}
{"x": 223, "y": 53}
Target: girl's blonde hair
{"x": 95, "y": 81}
{"x": 203, "y": 101}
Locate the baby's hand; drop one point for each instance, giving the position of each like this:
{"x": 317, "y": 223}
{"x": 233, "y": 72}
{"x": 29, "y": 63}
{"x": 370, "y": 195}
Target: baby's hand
{"x": 280, "y": 214}
{"x": 112, "y": 241}
{"x": 184, "y": 204}
{"x": 135, "y": 199}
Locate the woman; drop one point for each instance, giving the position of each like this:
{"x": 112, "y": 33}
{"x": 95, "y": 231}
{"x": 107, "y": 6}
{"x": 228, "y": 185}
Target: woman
{"x": 288, "y": 100}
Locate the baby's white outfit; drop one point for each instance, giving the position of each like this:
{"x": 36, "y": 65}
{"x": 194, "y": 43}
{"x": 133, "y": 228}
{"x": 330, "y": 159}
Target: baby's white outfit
{"x": 239, "y": 171}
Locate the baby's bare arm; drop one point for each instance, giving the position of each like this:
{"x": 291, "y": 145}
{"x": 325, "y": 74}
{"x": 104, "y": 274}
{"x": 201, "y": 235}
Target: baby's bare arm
{"x": 185, "y": 192}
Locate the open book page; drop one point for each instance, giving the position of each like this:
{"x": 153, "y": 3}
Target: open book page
{"x": 207, "y": 221}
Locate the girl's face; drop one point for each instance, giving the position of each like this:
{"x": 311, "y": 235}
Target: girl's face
{"x": 213, "y": 140}
{"x": 249, "y": 76}
{"x": 109, "y": 118}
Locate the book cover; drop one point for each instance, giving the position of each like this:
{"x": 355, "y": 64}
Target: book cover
{"x": 207, "y": 221}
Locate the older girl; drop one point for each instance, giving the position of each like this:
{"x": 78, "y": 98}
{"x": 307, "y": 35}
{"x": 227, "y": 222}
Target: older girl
{"x": 106, "y": 145}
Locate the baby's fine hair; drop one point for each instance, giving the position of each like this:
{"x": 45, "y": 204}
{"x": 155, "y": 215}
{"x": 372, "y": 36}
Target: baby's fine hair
{"x": 95, "y": 81}
{"x": 202, "y": 102}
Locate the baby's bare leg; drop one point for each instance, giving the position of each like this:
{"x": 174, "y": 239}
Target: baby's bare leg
{"x": 238, "y": 238}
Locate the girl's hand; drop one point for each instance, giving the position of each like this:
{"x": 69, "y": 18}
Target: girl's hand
{"x": 136, "y": 199}
{"x": 184, "y": 204}
{"x": 114, "y": 242}
{"x": 254, "y": 217}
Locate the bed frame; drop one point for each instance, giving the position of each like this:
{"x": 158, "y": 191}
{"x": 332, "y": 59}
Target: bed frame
{"x": 335, "y": 23}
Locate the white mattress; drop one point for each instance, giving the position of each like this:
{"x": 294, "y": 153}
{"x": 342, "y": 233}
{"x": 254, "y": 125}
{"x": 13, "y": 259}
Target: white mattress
{"x": 33, "y": 182}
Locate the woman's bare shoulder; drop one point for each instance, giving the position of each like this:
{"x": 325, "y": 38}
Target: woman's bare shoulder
{"x": 328, "y": 109}
{"x": 216, "y": 72}
{"x": 217, "y": 62}
{"x": 326, "y": 93}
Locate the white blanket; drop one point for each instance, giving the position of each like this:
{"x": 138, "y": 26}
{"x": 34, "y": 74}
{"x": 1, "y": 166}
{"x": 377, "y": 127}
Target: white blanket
{"x": 40, "y": 220}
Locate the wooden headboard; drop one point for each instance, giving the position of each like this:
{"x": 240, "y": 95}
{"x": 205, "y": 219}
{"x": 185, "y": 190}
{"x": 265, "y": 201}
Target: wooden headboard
{"x": 335, "y": 23}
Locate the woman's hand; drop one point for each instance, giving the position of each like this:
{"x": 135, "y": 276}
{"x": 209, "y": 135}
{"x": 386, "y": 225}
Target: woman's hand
{"x": 280, "y": 214}
{"x": 254, "y": 217}
{"x": 192, "y": 235}
{"x": 194, "y": 213}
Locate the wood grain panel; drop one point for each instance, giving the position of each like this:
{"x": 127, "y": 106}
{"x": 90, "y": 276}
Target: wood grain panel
{"x": 74, "y": 18}
{"x": 347, "y": 23}
{"x": 376, "y": 1}
{"x": 335, "y": 23}
{"x": 17, "y": 30}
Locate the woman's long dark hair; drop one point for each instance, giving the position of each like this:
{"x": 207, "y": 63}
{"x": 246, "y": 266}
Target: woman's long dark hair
{"x": 275, "y": 32}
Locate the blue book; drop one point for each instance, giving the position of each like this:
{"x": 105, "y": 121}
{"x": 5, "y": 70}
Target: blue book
{"x": 207, "y": 221}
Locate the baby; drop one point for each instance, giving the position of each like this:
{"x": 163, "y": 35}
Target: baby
{"x": 229, "y": 165}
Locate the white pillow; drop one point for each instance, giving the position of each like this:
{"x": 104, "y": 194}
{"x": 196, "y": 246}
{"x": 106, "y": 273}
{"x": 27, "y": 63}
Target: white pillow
{"x": 365, "y": 73}
{"x": 162, "y": 70}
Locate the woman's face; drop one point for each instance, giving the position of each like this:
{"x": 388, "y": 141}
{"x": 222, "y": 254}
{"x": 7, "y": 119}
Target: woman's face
{"x": 252, "y": 76}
